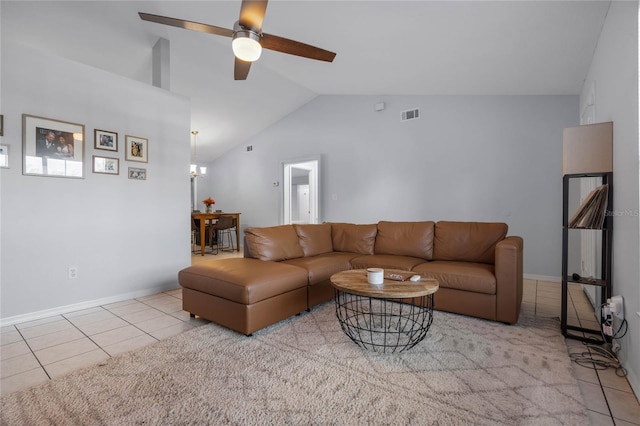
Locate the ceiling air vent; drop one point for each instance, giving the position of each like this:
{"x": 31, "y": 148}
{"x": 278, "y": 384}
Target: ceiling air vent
{"x": 410, "y": 114}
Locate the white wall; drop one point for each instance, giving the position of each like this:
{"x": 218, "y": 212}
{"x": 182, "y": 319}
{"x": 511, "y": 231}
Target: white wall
{"x": 615, "y": 71}
{"x": 478, "y": 158}
{"x": 127, "y": 237}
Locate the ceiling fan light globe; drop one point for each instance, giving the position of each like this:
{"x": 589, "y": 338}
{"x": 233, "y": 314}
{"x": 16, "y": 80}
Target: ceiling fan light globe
{"x": 246, "y": 46}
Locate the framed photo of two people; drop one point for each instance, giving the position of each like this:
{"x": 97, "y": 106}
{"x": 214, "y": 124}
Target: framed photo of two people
{"x": 52, "y": 147}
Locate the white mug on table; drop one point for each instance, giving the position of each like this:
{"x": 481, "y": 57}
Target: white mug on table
{"x": 375, "y": 275}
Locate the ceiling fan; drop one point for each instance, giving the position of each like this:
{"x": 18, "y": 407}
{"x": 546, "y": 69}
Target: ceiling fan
{"x": 248, "y": 38}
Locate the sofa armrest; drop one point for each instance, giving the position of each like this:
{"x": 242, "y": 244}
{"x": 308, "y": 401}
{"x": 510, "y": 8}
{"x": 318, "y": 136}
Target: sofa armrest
{"x": 509, "y": 276}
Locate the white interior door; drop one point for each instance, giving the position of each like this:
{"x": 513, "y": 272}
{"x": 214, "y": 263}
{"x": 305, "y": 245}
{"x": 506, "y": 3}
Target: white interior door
{"x": 303, "y": 212}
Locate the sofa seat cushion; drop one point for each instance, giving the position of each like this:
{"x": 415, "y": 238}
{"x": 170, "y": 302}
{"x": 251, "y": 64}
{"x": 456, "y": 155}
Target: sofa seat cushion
{"x": 413, "y": 239}
{"x": 273, "y": 243}
{"x": 321, "y": 267}
{"x": 468, "y": 241}
{"x": 243, "y": 280}
{"x": 386, "y": 261}
{"x": 468, "y": 276}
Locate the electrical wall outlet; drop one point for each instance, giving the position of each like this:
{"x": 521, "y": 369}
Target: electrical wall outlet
{"x": 616, "y": 304}
{"x": 72, "y": 272}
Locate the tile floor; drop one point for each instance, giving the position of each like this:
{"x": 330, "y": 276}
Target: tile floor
{"x": 36, "y": 351}
{"x": 608, "y": 397}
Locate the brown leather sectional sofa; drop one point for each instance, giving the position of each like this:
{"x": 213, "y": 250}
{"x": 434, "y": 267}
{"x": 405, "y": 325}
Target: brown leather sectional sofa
{"x": 287, "y": 269}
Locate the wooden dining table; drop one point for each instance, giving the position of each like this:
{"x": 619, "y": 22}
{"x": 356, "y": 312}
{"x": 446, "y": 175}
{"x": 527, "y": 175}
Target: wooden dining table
{"x": 204, "y": 217}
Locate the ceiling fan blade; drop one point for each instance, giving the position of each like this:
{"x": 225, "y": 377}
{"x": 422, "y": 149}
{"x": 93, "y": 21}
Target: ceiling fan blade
{"x": 241, "y": 69}
{"x": 189, "y": 25}
{"x": 292, "y": 47}
{"x": 252, "y": 14}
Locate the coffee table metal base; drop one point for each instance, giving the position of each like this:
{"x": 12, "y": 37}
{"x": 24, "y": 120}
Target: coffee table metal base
{"x": 384, "y": 325}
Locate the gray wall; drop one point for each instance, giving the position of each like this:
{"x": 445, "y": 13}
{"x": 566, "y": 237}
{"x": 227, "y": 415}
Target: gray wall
{"x": 615, "y": 71}
{"x": 477, "y": 158}
{"x": 127, "y": 238}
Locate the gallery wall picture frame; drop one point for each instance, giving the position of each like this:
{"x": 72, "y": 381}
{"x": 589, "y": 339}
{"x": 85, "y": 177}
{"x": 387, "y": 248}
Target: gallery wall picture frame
{"x": 1, "y": 125}
{"x": 106, "y": 165}
{"x": 52, "y": 148}
{"x": 137, "y": 173}
{"x": 103, "y": 139}
{"x": 4, "y": 156}
{"x": 136, "y": 149}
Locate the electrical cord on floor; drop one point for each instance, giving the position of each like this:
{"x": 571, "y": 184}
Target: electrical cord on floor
{"x": 598, "y": 358}
{"x": 602, "y": 356}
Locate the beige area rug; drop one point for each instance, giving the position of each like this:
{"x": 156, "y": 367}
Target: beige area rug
{"x": 305, "y": 371}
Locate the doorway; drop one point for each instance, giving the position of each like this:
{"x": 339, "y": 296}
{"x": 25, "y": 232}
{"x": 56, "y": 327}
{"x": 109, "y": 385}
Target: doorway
{"x": 300, "y": 191}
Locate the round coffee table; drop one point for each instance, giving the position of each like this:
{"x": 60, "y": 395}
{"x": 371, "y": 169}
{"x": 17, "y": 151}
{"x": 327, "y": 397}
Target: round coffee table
{"x": 388, "y": 317}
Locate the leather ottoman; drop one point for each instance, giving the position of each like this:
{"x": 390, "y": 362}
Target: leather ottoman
{"x": 244, "y": 294}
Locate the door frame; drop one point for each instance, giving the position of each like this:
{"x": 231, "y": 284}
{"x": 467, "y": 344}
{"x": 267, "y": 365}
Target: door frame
{"x": 314, "y": 164}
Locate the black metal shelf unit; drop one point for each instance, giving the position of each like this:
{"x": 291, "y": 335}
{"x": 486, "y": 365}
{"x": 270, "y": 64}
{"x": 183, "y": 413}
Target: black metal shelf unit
{"x": 604, "y": 281}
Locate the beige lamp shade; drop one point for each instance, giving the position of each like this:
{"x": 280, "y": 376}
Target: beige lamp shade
{"x": 587, "y": 149}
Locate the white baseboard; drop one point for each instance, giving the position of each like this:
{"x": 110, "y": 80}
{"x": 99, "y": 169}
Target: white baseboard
{"x": 32, "y": 316}
{"x": 542, "y": 278}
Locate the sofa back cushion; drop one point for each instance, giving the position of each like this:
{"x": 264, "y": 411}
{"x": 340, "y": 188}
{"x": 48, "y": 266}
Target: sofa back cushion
{"x": 468, "y": 241}
{"x": 273, "y": 243}
{"x": 413, "y": 239}
{"x": 314, "y": 239}
{"x": 353, "y": 238}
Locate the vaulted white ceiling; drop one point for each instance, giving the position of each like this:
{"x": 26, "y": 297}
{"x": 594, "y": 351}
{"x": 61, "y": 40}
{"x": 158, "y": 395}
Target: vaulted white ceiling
{"x": 383, "y": 48}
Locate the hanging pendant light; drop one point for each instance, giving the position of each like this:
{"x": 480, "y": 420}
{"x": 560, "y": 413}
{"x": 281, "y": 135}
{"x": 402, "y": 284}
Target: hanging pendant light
{"x": 194, "y": 166}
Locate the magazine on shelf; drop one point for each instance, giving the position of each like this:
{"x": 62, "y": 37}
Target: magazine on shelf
{"x": 592, "y": 210}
